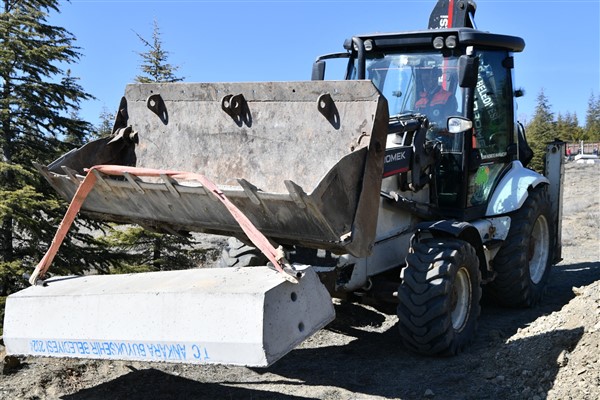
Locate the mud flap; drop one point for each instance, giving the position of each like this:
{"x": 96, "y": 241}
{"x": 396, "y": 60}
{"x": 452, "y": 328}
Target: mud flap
{"x": 249, "y": 316}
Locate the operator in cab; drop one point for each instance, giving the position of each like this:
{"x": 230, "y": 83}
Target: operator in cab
{"x": 437, "y": 103}
{"x": 434, "y": 101}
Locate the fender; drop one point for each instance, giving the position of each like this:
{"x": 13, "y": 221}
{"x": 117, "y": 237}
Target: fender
{"x": 460, "y": 230}
{"x": 457, "y": 229}
{"x": 512, "y": 190}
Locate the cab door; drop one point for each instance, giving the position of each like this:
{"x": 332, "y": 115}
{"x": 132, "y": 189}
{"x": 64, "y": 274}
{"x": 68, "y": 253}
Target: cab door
{"x": 493, "y": 133}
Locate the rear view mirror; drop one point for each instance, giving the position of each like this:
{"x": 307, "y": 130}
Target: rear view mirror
{"x": 459, "y": 124}
{"x": 467, "y": 71}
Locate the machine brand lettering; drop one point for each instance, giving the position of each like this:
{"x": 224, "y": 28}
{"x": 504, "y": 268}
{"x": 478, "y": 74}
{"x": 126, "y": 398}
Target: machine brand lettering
{"x": 400, "y": 155}
{"x": 396, "y": 160}
{"x": 443, "y": 21}
{"x": 486, "y": 100}
{"x": 493, "y": 155}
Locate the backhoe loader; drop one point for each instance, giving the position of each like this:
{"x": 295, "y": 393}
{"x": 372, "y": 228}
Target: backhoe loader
{"x": 406, "y": 183}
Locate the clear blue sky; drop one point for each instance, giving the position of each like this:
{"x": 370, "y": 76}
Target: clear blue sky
{"x": 221, "y": 41}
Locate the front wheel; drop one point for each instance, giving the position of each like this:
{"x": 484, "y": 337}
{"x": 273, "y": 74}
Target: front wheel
{"x": 439, "y": 296}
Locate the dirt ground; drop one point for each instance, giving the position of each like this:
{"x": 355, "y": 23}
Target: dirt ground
{"x": 548, "y": 352}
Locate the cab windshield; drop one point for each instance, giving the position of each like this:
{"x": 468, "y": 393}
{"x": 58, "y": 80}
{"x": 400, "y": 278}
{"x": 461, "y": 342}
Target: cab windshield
{"x": 423, "y": 83}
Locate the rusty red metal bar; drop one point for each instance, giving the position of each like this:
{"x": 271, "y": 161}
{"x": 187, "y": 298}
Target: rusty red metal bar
{"x": 256, "y": 237}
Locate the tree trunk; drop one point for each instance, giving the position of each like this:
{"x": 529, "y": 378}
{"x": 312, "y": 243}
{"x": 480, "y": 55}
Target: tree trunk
{"x": 7, "y": 178}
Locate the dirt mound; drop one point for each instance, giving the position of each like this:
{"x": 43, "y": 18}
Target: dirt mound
{"x": 551, "y": 351}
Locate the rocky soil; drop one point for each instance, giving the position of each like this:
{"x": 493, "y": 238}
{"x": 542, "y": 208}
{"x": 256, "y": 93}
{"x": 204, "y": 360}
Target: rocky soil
{"x": 548, "y": 352}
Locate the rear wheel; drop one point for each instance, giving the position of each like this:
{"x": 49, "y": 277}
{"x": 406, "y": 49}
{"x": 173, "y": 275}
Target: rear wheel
{"x": 439, "y": 296}
{"x": 524, "y": 261}
{"x": 238, "y": 254}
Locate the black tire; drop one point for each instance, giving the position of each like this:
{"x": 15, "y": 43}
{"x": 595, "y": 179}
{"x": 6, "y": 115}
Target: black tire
{"x": 439, "y": 296}
{"x": 524, "y": 261}
{"x": 238, "y": 254}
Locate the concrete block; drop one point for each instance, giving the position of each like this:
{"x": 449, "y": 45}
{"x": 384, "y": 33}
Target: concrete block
{"x": 248, "y": 316}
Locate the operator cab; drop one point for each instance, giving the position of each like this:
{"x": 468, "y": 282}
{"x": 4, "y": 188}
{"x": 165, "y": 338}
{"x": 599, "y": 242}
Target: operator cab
{"x": 444, "y": 74}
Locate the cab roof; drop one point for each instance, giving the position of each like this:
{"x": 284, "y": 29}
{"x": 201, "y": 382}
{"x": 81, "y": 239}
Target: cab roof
{"x": 424, "y": 39}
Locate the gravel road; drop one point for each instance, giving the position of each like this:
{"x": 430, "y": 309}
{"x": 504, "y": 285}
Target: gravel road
{"x": 551, "y": 351}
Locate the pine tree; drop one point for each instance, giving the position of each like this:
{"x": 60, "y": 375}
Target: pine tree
{"x": 155, "y": 66}
{"x": 541, "y": 131}
{"x": 568, "y": 129}
{"x": 38, "y": 120}
{"x": 104, "y": 128}
{"x": 592, "y": 119}
{"x": 140, "y": 249}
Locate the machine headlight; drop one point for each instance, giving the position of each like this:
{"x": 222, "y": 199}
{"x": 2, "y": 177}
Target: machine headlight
{"x": 438, "y": 43}
{"x": 451, "y": 42}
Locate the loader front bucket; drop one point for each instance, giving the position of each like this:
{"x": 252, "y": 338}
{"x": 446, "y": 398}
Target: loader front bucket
{"x": 249, "y": 316}
{"x": 302, "y": 160}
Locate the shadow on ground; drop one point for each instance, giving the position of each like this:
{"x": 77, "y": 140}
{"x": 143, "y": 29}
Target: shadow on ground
{"x": 154, "y": 384}
{"x": 376, "y": 364}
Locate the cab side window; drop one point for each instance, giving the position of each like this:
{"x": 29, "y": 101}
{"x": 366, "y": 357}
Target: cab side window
{"x": 493, "y": 96}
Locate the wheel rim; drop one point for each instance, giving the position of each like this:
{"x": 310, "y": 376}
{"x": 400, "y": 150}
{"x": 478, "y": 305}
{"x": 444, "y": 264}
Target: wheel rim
{"x": 539, "y": 249}
{"x": 461, "y": 299}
